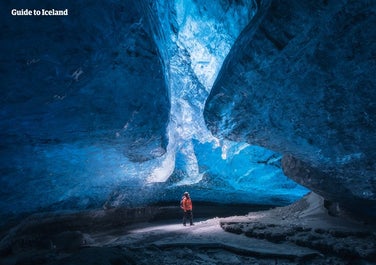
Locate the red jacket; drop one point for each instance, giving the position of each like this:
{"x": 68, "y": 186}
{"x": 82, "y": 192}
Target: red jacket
{"x": 186, "y": 204}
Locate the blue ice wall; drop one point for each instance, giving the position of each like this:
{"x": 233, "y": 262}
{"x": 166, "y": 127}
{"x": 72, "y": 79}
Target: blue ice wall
{"x": 105, "y": 107}
{"x": 82, "y": 97}
{"x": 304, "y": 74}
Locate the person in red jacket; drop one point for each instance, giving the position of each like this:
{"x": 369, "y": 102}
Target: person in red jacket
{"x": 186, "y": 205}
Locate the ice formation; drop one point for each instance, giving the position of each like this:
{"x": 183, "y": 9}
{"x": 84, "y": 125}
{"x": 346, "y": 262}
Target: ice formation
{"x": 105, "y": 107}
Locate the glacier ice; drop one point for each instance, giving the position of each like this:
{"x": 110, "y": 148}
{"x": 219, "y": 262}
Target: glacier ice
{"x": 306, "y": 78}
{"x": 196, "y": 37}
{"x": 106, "y": 107}
{"x": 197, "y": 43}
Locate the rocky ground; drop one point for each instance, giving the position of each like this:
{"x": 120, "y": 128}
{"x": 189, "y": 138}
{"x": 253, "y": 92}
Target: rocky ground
{"x": 302, "y": 233}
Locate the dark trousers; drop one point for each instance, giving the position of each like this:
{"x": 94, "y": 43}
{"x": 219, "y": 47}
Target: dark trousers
{"x": 188, "y": 214}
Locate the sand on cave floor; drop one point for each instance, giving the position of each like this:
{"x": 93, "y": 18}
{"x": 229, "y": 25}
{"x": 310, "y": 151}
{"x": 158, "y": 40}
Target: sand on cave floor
{"x": 302, "y": 233}
{"x": 204, "y": 234}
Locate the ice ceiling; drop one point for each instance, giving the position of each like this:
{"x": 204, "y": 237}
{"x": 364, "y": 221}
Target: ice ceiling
{"x": 106, "y": 106}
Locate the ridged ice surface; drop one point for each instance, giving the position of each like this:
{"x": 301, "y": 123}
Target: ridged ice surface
{"x": 105, "y": 107}
{"x": 305, "y": 78}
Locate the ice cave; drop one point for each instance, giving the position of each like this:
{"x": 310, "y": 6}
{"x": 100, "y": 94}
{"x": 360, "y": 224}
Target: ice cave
{"x": 263, "y": 110}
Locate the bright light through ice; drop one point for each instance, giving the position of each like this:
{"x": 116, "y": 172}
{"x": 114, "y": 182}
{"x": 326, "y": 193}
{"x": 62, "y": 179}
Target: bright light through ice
{"x": 224, "y": 151}
{"x": 161, "y": 173}
{"x": 205, "y": 64}
{"x": 191, "y": 166}
{"x": 197, "y": 47}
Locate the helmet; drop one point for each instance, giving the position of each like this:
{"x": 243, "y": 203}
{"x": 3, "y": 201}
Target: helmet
{"x": 186, "y": 193}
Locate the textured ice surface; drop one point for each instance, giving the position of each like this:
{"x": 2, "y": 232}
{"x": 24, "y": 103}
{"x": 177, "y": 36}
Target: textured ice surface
{"x": 195, "y": 37}
{"x": 105, "y": 107}
{"x": 305, "y": 77}
{"x": 78, "y": 103}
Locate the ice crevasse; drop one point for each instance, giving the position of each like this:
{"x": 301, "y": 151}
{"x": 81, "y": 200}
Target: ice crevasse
{"x": 123, "y": 102}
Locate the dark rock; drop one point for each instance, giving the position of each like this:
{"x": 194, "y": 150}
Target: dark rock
{"x": 68, "y": 240}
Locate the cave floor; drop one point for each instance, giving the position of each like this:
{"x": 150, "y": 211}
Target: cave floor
{"x": 204, "y": 243}
{"x": 302, "y": 233}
